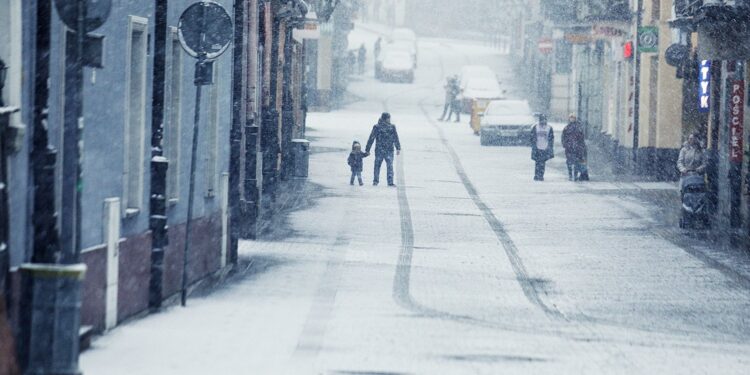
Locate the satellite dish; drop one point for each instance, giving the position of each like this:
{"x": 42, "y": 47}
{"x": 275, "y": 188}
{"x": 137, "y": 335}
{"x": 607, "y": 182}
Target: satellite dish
{"x": 97, "y": 12}
{"x": 205, "y": 30}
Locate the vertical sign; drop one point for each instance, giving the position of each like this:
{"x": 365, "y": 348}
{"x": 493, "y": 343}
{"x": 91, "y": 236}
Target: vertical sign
{"x": 704, "y": 80}
{"x": 736, "y": 114}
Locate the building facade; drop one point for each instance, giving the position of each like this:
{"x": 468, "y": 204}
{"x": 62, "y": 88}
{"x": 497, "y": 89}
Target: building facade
{"x": 136, "y": 132}
{"x": 642, "y": 75}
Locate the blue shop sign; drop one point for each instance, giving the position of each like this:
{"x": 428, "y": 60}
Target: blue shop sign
{"x": 704, "y": 87}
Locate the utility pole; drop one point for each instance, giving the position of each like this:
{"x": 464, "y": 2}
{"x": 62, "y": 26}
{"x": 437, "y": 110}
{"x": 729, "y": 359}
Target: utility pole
{"x": 637, "y": 83}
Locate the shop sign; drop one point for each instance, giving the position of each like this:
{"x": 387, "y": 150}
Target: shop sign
{"x": 704, "y": 86}
{"x": 545, "y": 45}
{"x": 736, "y": 114}
{"x": 606, "y": 32}
{"x": 648, "y": 39}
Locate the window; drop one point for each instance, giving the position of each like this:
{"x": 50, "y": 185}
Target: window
{"x": 135, "y": 114}
{"x": 211, "y": 134}
{"x": 172, "y": 123}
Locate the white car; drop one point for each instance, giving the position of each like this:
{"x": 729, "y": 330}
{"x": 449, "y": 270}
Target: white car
{"x": 396, "y": 65}
{"x": 408, "y": 39}
{"x": 506, "y": 121}
{"x": 478, "y": 82}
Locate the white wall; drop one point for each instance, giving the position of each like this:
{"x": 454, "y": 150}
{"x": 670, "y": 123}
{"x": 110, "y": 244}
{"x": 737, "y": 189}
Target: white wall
{"x": 10, "y": 50}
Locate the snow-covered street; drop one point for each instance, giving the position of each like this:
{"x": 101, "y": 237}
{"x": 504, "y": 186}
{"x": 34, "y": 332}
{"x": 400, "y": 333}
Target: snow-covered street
{"x": 468, "y": 266}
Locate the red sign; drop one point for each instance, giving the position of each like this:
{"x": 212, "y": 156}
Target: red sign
{"x": 545, "y": 45}
{"x": 736, "y": 114}
{"x": 627, "y": 50}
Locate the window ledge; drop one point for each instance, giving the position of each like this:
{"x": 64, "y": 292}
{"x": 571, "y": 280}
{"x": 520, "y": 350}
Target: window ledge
{"x": 132, "y": 212}
{"x": 172, "y": 202}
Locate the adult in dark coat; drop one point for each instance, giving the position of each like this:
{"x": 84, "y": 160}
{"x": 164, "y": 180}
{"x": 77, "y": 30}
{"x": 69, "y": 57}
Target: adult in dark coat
{"x": 574, "y": 143}
{"x": 542, "y": 146}
{"x": 385, "y": 137}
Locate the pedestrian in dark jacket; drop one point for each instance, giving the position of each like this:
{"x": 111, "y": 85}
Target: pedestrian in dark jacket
{"x": 574, "y": 143}
{"x": 385, "y": 137}
{"x": 355, "y": 162}
{"x": 542, "y": 146}
{"x": 452, "y": 90}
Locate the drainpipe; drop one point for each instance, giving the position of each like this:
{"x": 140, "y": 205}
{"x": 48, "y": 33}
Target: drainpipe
{"x": 159, "y": 164}
{"x": 235, "y": 132}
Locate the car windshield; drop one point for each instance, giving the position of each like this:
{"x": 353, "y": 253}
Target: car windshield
{"x": 508, "y": 108}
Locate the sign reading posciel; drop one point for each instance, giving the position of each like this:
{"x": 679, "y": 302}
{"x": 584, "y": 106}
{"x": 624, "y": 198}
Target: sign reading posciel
{"x": 736, "y": 114}
{"x": 704, "y": 86}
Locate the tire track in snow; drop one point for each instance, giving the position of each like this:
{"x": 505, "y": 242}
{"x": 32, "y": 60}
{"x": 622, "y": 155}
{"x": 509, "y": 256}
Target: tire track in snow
{"x": 527, "y": 283}
{"x": 401, "y": 291}
{"x": 313, "y": 333}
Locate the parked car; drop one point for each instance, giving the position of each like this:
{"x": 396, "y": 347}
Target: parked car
{"x": 406, "y": 38}
{"x": 506, "y": 122}
{"x": 396, "y": 65}
{"x": 478, "y": 82}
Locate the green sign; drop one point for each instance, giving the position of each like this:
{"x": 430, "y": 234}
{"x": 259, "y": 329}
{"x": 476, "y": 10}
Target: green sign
{"x": 648, "y": 39}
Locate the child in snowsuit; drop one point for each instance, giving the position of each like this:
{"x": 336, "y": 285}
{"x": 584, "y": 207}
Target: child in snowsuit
{"x": 355, "y": 162}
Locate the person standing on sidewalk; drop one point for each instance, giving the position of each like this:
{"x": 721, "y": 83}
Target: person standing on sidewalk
{"x": 449, "y": 96}
{"x": 542, "y": 146}
{"x": 455, "y": 91}
{"x": 574, "y": 143}
{"x": 377, "y": 47}
{"x": 361, "y": 57}
{"x": 385, "y": 137}
{"x": 692, "y": 159}
{"x": 355, "y": 162}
